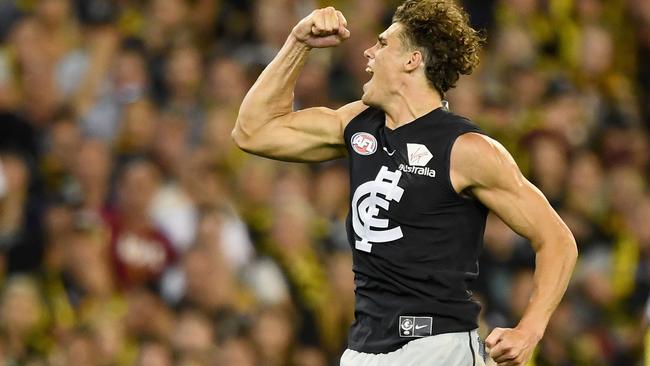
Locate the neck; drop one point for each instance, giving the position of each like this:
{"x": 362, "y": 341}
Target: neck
{"x": 410, "y": 103}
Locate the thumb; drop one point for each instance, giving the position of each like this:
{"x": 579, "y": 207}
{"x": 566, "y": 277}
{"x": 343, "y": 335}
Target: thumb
{"x": 494, "y": 337}
{"x": 344, "y": 33}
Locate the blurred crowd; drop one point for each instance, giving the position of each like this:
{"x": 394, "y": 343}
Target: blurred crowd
{"x": 133, "y": 231}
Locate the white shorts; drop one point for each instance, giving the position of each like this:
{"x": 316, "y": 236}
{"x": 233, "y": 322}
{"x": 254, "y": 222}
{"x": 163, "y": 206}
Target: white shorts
{"x": 448, "y": 349}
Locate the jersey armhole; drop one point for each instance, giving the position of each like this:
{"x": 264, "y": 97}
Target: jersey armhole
{"x": 346, "y": 130}
{"x": 448, "y": 149}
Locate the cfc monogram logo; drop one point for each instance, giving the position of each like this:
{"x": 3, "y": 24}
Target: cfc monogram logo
{"x": 365, "y": 209}
{"x": 415, "y": 326}
{"x": 407, "y": 325}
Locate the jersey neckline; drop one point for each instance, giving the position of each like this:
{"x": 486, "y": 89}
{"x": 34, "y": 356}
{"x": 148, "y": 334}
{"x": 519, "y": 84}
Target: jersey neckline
{"x": 413, "y": 122}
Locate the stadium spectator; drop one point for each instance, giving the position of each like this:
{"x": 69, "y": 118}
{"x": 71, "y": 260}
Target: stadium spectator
{"x": 133, "y": 231}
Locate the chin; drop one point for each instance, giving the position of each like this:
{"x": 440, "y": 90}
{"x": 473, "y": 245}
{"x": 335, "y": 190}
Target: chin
{"x": 370, "y": 96}
{"x": 364, "y": 98}
{"x": 368, "y": 100}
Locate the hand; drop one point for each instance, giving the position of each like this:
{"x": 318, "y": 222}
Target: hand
{"x": 322, "y": 28}
{"x": 511, "y": 347}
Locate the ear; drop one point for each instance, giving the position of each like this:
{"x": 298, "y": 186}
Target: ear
{"x": 414, "y": 61}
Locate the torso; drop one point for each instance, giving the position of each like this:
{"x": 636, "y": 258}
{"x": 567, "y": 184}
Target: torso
{"x": 415, "y": 240}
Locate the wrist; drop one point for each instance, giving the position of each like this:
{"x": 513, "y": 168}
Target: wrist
{"x": 295, "y": 42}
{"x": 536, "y": 331}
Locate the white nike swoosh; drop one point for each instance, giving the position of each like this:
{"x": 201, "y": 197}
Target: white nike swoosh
{"x": 420, "y": 326}
{"x": 389, "y": 153}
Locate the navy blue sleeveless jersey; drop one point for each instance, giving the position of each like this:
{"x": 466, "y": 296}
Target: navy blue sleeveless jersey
{"x": 415, "y": 240}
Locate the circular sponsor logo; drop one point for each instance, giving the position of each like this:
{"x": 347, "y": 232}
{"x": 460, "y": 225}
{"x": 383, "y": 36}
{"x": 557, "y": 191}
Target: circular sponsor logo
{"x": 364, "y": 143}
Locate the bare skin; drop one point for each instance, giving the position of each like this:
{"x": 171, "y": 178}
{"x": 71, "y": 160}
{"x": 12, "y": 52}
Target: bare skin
{"x": 267, "y": 125}
{"x": 483, "y": 168}
{"x": 480, "y": 166}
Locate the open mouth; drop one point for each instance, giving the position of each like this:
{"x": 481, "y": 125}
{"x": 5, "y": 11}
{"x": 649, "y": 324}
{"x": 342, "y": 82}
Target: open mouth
{"x": 369, "y": 70}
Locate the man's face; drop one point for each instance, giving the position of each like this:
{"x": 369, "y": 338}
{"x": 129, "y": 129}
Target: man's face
{"x": 385, "y": 61}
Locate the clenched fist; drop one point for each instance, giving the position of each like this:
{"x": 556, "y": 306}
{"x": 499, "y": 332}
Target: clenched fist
{"x": 511, "y": 347}
{"x": 322, "y": 28}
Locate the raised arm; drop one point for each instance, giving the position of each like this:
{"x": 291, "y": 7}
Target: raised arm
{"x": 267, "y": 124}
{"x": 483, "y": 168}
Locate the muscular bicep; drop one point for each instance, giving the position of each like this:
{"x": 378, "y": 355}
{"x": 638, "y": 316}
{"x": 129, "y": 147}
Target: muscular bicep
{"x": 524, "y": 209}
{"x": 490, "y": 173}
{"x": 308, "y": 135}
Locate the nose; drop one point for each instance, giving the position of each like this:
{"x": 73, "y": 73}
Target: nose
{"x": 369, "y": 53}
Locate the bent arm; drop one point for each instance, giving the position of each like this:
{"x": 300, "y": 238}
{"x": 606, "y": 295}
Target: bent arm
{"x": 268, "y": 126}
{"x": 484, "y": 167}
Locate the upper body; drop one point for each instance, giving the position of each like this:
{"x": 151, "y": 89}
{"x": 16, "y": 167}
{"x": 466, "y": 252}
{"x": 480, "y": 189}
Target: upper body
{"x": 415, "y": 240}
{"x": 418, "y": 58}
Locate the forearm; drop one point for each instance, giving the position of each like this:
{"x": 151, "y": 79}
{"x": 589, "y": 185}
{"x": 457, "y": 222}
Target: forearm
{"x": 554, "y": 264}
{"x": 272, "y": 94}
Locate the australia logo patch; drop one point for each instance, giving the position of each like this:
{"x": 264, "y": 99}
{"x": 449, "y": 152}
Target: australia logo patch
{"x": 418, "y": 154}
{"x": 364, "y": 143}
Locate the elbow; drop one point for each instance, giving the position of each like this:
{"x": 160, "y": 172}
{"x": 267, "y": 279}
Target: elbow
{"x": 573, "y": 249}
{"x": 571, "y": 246}
{"x": 240, "y": 137}
{"x": 570, "y": 249}
{"x": 561, "y": 248}
{"x": 567, "y": 242}
{"x": 246, "y": 141}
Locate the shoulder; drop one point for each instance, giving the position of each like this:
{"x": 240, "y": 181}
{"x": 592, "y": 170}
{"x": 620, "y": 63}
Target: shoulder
{"x": 480, "y": 161}
{"x": 460, "y": 123}
{"x": 475, "y": 145}
{"x": 349, "y": 111}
